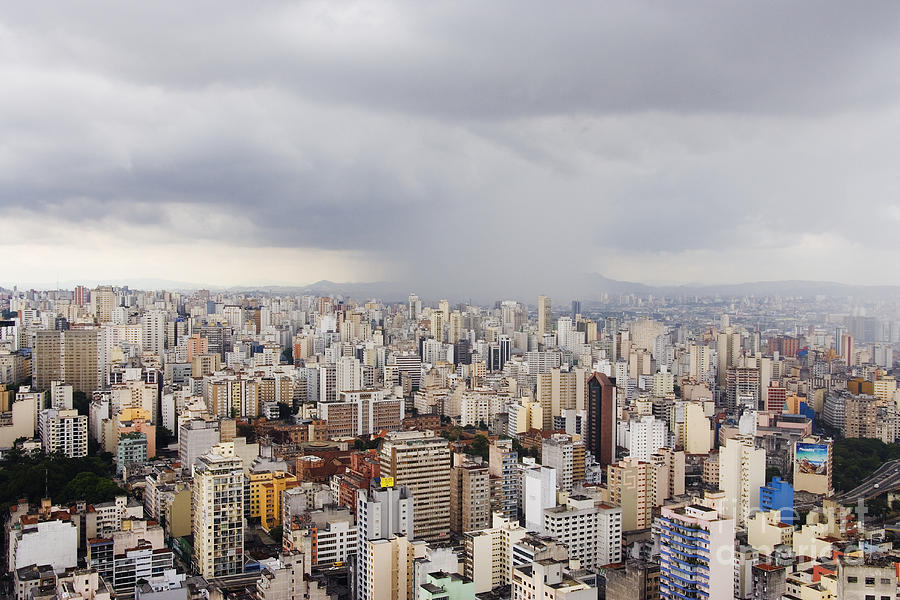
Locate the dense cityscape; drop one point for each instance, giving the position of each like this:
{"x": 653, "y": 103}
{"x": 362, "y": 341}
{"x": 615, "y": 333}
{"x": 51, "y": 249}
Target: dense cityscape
{"x": 449, "y": 300}
{"x": 213, "y": 444}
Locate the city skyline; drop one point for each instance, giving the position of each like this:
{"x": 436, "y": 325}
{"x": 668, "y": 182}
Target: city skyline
{"x": 450, "y": 144}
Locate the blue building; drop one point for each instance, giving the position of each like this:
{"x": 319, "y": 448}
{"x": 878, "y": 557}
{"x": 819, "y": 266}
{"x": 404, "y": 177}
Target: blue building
{"x": 131, "y": 450}
{"x": 778, "y": 495}
{"x": 696, "y": 558}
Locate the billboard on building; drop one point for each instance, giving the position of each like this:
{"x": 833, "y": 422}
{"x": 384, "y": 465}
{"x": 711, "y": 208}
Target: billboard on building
{"x": 812, "y": 459}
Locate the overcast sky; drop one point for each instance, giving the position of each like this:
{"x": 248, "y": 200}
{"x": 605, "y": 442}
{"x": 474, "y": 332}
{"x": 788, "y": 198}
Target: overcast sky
{"x": 452, "y": 144}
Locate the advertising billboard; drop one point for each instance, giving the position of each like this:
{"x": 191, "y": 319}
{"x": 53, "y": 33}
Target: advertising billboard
{"x": 812, "y": 459}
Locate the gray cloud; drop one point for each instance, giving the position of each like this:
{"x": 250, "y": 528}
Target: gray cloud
{"x": 466, "y": 144}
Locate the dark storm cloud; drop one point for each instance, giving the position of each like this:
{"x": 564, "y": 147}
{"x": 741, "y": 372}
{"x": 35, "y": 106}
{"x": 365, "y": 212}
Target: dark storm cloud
{"x": 470, "y": 141}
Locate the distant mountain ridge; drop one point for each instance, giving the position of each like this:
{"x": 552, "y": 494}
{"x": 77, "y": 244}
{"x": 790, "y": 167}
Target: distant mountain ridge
{"x": 588, "y": 287}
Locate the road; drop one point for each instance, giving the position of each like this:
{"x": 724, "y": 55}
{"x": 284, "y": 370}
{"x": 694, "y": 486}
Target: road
{"x": 885, "y": 479}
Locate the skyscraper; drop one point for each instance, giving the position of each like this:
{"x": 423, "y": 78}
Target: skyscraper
{"x": 543, "y": 315}
{"x": 415, "y": 307}
{"x": 601, "y": 433}
{"x": 218, "y": 506}
{"x": 456, "y": 327}
{"x": 437, "y": 325}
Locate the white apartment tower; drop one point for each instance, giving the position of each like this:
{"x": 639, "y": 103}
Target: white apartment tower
{"x": 218, "y": 506}
{"x": 64, "y": 431}
{"x": 592, "y": 531}
{"x": 153, "y": 327}
{"x": 646, "y": 436}
{"x": 742, "y": 471}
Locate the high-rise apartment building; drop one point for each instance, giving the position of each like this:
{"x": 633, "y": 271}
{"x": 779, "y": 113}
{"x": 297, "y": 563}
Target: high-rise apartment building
{"x": 384, "y": 521}
{"x": 470, "y": 497}
{"x": 72, "y": 357}
{"x": 388, "y": 567}
{"x": 502, "y": 465}
{"x": 362, "y": 412}
{"x": 384, "y": 512}
{"x": 847, "y": 350}
{"x": 538, "y": 494}
{"x": 456, "y": 327}
{"x": 195, "y": 438}
{"x": 728, "y": 350}
{"x": 104, "y": 300}
{"x": 601, "y": 432}
{"x": 80, "y": 296}
{"x": 673, "y": 462}
{"x": 742, "y": 472}
{"x": 489, "y": 553}
{"x": 547, "y": 580}
{"x": 632, "y": 485}
{"x": 153, "y": 329}
{"x": 437, "y": 325}
{"x": 591, "y": 531}
{"x": 559, "y": 390}
{"x": 64, "y": 432}
{"x": 421, "y": 461}
{"x": 742, "y": 386}
{"x": 567, "y": 456}
{"x": 860, "y": 416}
{"x": 645, "y": 436}
{"x": 218, "y": 507}
{"x": 696, "y": 553}
{"x": 415, "y": 307}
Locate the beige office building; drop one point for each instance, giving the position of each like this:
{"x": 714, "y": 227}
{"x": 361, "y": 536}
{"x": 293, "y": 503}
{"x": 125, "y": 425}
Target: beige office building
{"x": 544, "y": 320}
{"x": 420, "y": 460}
{"x": 71, "y": 356}
{"x": 388, "y": 568}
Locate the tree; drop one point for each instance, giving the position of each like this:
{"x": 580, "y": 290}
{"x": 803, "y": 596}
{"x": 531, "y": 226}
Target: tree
{"x": 81, "y": 402}
{"x": 855, "y": 459}
{"x": 276, "y": 533}
{"x": 480, "y": 446}
{"x": 65, "y": 480}
{"x": 91, "y": 488}
{"x": 164, "y": 437}
{"x": 287, "y": 356}
{"x": 285, "y": 411}
{"x": 372, "y": 444}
